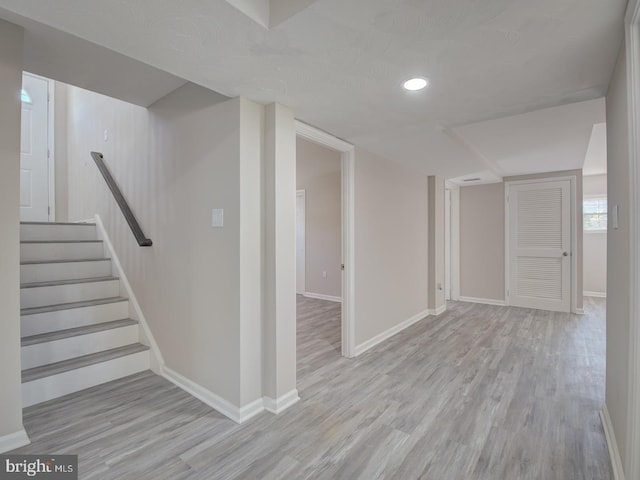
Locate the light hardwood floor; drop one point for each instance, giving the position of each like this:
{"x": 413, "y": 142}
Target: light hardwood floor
{"x": 480, "y": 392}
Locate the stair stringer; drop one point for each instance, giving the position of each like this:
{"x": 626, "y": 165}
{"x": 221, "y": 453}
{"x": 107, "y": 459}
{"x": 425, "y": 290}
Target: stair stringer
{"x": 135, "y": 312}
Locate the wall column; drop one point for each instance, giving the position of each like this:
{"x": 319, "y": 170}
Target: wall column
{"x": 279, "y": 324}
{"x": 437, "y": 303}
{"x": 12, "y": 434}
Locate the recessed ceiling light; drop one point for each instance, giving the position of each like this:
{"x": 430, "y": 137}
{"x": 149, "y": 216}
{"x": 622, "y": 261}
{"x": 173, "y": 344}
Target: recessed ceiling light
{"x": 416, "y": 84}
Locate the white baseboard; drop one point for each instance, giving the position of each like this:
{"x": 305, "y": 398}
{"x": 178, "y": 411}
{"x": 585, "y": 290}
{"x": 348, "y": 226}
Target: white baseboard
{"x": 280, "y": 404}
{"x": 595, "y": 294}
{"x": 612, "y": 444}
{"x": 437, "y": 311}
{"x": 486, "y": 301}
{"x": 237, "y": 414}
{"x": 156, "y": 356}
{"x": 320, "y": 296}
{"x": 14, "y": 440}
{"x": 578, "y": 311}
{"x": 363, "y": 347}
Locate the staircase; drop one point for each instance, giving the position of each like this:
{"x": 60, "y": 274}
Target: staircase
{"x": 75, "y": 326}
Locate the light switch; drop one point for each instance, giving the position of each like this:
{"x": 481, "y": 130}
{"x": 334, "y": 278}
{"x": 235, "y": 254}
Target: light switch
{"x": 217, "y": 217}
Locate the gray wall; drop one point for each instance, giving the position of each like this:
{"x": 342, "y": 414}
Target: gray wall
{"x": 391, "y": 245}
{"x": 318, "y": 174}
{"x": 482, "y": 241}
{"x": 595, "y": 243}
{"x": 11, "y": 40}
{"x": 618, "y": 251}
{"x": 174, "y": 163}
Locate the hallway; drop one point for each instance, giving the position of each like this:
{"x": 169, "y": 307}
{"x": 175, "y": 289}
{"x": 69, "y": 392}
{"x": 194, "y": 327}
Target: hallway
{"x": 480, "y": 392}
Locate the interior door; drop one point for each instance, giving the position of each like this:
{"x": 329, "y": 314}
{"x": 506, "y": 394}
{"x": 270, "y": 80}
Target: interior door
{"x": 300, "y": 242}
{"x": 34, "y": 161}
{"x": 539, "y": 253}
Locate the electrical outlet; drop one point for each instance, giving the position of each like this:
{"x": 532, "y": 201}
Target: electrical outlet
{"x": 324, "y": 274}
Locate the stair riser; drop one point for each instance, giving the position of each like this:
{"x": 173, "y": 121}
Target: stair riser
{"x": 60, "y": 251}
{"x": 55, "y": 386}
{"x": 78, "y": 292}
{"x": 75, "y": 317}
{"x": 66, "y": 348}
{"x": 57, "y": 232}
{"x": 45, "y": 272}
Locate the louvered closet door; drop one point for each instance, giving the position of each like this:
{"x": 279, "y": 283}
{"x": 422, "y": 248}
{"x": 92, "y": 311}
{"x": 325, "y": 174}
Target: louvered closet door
{"x": 539, "y": 245}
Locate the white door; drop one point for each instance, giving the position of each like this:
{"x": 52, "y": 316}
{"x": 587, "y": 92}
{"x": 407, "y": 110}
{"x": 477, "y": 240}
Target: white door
{"x": 34, "y": 162}
{"x": 300, "y": 242}
{"x": 539, "y": 240}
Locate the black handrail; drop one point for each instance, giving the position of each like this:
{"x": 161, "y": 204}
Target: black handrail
{"x": 122, "y": 203}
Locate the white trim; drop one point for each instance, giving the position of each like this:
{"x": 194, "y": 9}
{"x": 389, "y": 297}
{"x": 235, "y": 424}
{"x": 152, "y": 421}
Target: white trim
{"x": 156, "y": 356}
{"x": 320, "y": 296}
{"x": 574, "y": 235}
{"x": 455, "y": 240}
{"x": 595, "y": 294}
{"x": 612, "y": 444}
{"x": 348, "y": 230}
{"x": 280, "y": 404}
{"x": 447, "y": 243}
{"x": 303, "y": 194}
{"x": 438, "y": 311}
{"x": 51, "y": 164}
{"x": 315, "y": 135}
{"x": 237, "y": 414}
{"x": 632, "y": 39}
{"x": 381, "y": 337}
{"x": 486, "y": 301}
{"x": 14, "y": 440}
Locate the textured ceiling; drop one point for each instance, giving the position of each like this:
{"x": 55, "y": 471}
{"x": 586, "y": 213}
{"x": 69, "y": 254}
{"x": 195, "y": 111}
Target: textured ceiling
{"x": 340, "y": 64}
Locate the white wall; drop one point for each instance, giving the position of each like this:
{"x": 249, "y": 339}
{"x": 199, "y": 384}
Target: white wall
{"x": 482, "y": 253}
{"x": 11, "y": 41}
{"x": 174, "y": 163}
{"x": 618, "y": 252}
{"x": 391, "y": 245}
{"x": 318, "y": 173}
{"x": 595, "y": 243}
{"x": 60, "y": 151}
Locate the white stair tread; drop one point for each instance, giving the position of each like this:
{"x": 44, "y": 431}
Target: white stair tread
{"x": 70, "y": 305}
{"x": 52, "y": 283}
{"x": 79, "y": 362}
{"x": 79, "y": 260}
{"x": 59, "y": 241}
{"x": 75, "y": 332}
{"x": 60, "y": 223}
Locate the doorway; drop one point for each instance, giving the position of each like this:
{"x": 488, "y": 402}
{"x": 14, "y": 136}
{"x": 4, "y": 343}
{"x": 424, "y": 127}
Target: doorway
{"x": 318, "y": 255}
{"x": 36, "y": 147}
{"x": 347, "y": 263}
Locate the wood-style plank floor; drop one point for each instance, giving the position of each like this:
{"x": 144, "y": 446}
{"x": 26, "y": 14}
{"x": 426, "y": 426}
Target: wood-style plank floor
{"x": 480, "y": 392}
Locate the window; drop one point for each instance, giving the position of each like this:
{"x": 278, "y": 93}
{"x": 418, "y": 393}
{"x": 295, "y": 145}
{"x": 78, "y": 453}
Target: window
{"x": 24, "y": 96}
{"x": 594, "y": 210}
